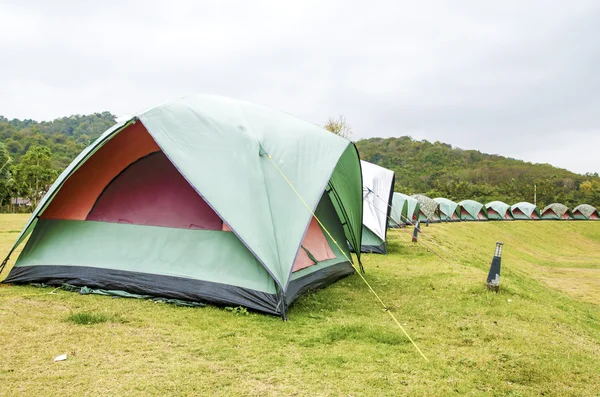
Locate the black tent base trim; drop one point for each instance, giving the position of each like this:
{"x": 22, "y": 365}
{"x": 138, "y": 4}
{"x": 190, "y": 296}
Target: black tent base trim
{"x": 147, "y": 284}
{"x": 121, "y": 294}
{"x": 374, "y": 249}
{"x": 176, "y": 288}
{"x": 317, "y": 280}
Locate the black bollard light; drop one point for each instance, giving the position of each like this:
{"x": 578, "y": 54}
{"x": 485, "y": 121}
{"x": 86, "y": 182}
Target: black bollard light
{"x": 493, "y": 278}
{"x": 416, "y": 231}
{"x": 427, "y": 222}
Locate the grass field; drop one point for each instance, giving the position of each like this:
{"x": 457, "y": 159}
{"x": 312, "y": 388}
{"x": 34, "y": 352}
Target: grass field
{"x": 539, "y": 336}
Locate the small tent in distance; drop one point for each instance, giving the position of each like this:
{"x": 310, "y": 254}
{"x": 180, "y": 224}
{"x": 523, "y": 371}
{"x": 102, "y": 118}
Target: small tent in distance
{"x": 471, "y": 210}
{"x": 188, "y": 200}
{"x": 378, "y": 186}
{"x": 429, "y": 210}
{"x": 449, "y": 211}
{"x": 585, "y": 212}
{"x": 405, "y": 210}
{"x": 525, "y": 211}
{"x": 556, "y": 211}
{"x": 498, "y": 210}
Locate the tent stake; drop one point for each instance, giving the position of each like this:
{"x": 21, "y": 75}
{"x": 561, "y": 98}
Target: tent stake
{"x": 416, "y": 231}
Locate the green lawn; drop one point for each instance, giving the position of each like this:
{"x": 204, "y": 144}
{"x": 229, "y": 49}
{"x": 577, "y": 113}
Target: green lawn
{"x": 539, "y": 336}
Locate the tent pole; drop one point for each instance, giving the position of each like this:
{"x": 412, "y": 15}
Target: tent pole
{"x": 3, "y": 264}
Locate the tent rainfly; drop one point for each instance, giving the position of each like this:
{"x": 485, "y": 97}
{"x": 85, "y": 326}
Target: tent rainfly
{"x": 378, "y": 187}
{"x": 429, "y": 209}
{"x": 198, "y": 199}
{"x": 498, "y": 210}
{"x": 449, "y": 211}
{"x": 471, "y": 210}
{"x": 525, "y": 211}
{"x": 405, "y": 210}
{"x": 585, "y": 212}
{"x": 556, "y": 211}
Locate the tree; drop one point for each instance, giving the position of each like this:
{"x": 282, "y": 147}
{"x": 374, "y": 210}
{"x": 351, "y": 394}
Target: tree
{"x": 339, "y": 126}
{"x": 6, "y": 180}
{"x": 35, "y": 172}
{"x": 590, "y": 192}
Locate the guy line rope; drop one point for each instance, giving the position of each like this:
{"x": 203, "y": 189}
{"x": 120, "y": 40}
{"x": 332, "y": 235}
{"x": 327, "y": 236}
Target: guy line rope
{"x": 387, "y": 309}
{"x": 423, "y": 233}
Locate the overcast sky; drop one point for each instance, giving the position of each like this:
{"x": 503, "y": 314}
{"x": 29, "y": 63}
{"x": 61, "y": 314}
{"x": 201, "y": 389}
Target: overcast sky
{"x": 521, "y": 79}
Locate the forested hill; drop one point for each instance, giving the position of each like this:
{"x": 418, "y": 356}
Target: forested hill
{"x": 33, "y": 153}
{"x": 438, "y": 169}
{"x": 65, "y": 137}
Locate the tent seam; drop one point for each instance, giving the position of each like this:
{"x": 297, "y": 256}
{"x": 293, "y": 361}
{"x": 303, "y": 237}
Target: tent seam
{"x": 266, "y": 188}
{"x": 213, "y": 208}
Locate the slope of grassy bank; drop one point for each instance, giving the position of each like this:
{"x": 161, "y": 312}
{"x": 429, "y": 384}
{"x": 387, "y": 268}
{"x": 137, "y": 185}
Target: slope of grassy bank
{"x": 539, "y": 336}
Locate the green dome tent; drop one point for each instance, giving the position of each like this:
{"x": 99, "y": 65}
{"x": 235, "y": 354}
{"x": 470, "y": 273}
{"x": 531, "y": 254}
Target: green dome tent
{"x": 378, "y": 186}
{"x": 405, "y": 210}
{"x": 428, "y": 209}
{"x": 556, "y": 211}
{"x": 449, "y": 211}
{"x": 198, "y": 199}
{"x": 525, "y": 211}
{"x": 498, "y": 210}
{"x": 585, "y": 212}
{"x": 471, "y": 210}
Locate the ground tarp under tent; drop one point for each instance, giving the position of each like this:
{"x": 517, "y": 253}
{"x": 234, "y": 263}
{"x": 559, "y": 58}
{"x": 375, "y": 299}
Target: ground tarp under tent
{"x": 498, "y": 210}
{"x": 405, "y": 210}
{"x": 198, "y": 199}
{"x": 585, "y": 212}
{"x": 471, "y": 210}
{"x": 449, "y": 211}
{"x": 525, "y": 211}
{"x": 378, "y": 187}
{"x": 429, "y": 210}
{"x": 556, "y": 211}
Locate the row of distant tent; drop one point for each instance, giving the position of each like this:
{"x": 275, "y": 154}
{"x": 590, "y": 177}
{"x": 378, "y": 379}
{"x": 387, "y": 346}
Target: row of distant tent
{"x": 383, "y": 208}
{"x": 409, "y": 209}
